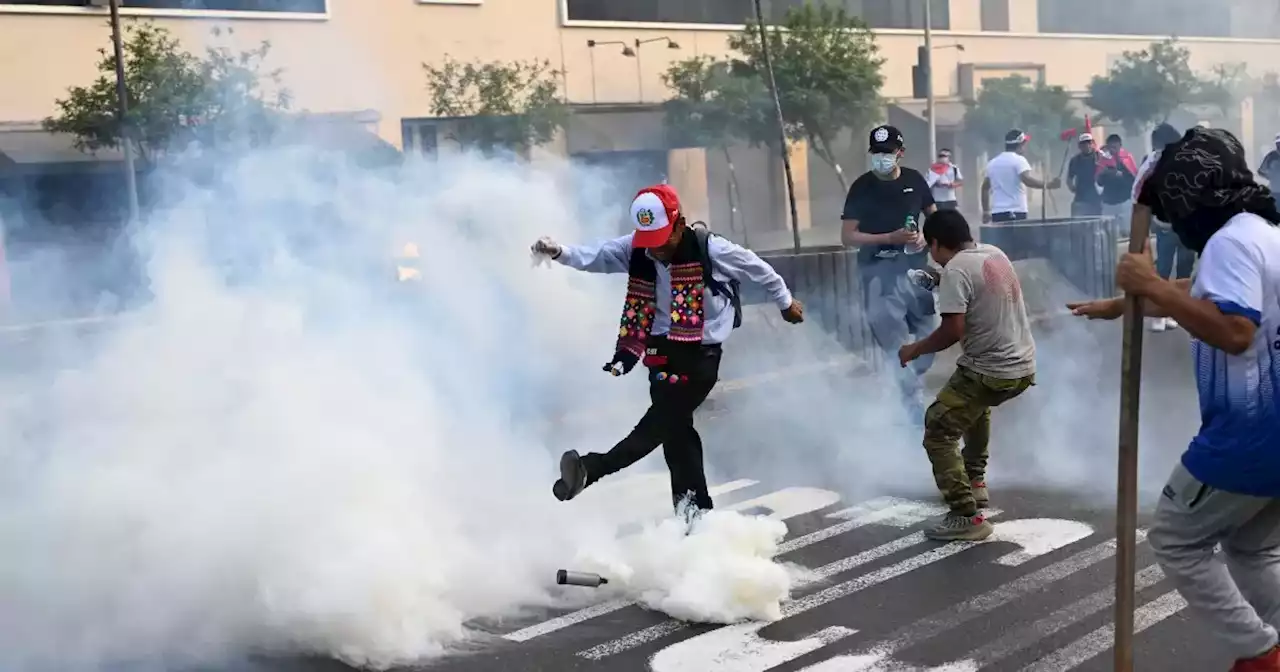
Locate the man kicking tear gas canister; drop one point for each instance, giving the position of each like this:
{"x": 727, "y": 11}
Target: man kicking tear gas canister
{"x": 980, "y": 300}
{"x": 677, "y": 315}
{"x": 1226, "y": 489}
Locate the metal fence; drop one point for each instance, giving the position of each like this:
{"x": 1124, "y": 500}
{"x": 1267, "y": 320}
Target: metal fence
{"x": 1082, "y": 250}
{"x": 826, "y": 280}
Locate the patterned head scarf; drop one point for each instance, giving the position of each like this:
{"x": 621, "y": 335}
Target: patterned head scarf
{"x": 1201, "y": 182}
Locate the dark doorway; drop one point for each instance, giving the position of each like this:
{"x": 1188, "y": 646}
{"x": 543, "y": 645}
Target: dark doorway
{"x": 607, "y": 181}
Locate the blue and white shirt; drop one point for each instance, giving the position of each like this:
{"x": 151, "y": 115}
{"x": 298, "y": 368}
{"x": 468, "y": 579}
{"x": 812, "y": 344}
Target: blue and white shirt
{"x": 1238, "y": 447}
{"x": 728, "y": 259}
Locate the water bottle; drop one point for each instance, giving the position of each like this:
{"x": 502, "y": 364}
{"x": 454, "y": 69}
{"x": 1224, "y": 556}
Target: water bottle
{"x": 913, "y": 228}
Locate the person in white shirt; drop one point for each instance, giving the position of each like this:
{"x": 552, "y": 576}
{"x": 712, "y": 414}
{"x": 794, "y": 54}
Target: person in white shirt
{"x": 944, "y": 179}
{"x": 1225, "y": 491}
{"x": 681, "y": 306}
{"x": 1168, "y": 248}
{"x": 1004, "y": 189}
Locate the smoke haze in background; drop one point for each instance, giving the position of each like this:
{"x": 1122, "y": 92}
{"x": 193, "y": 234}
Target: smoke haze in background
{"x": 285, "y": 450}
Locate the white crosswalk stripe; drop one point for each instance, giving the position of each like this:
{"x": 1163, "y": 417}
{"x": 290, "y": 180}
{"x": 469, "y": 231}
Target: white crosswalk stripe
{"x": 742, "y": 647}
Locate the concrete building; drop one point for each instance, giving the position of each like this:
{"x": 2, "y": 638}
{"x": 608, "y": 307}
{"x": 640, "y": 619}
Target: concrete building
{"x": 363, "y": 59}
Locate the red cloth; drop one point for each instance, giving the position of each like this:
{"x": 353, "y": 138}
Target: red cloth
{"x": 1121, "y": 157}
{"x": 940, "y": 168}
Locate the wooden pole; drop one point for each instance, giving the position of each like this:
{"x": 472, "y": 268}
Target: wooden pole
{"x": 1127, "y": 473}
{"x": 782, "y": 128}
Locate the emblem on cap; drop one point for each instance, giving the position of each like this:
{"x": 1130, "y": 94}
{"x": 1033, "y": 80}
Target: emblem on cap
{"x": 882, "y": 134}
{"x": 644, "y": 216}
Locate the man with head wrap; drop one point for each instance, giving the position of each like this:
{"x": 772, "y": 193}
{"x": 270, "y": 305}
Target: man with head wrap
{"x": 1226, "y": 489}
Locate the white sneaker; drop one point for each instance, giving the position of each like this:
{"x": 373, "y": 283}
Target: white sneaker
{"x": 1156, "y": 324}
{"x": 1170, "y": 324}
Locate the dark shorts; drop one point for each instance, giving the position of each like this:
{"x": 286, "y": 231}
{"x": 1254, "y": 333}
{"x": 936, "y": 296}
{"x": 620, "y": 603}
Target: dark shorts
{"x": 1008, "y": 216}
{"x": 1086, "y": 209}
{"x": 948, "y": 205}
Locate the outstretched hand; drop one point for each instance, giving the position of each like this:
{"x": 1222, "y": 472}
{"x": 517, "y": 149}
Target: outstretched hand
{"x": 794, "y": 312}
{"x": 546, "y": 246}
{"x": 1101, "y": 309}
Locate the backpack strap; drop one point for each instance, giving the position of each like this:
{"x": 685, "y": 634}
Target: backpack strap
{"x": 703, "y": 235}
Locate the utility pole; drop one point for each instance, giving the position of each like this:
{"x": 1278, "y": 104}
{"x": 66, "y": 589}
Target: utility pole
{"x": 122, "y": 103}
{"x": 782, "y": 129}
{"x": 928, "y": 79}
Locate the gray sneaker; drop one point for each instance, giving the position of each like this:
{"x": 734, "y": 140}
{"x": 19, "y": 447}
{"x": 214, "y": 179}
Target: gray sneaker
{"x": 957, "y": 527}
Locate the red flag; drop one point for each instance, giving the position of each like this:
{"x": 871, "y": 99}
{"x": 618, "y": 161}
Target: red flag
{"x": 1088, "y": 125}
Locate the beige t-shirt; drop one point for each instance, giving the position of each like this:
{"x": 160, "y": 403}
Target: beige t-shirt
{"x": 981, "y": 284}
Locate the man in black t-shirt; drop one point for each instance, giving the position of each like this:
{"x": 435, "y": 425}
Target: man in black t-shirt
{"x": 1082, "y": 180}
{"x": 881, "y": 218}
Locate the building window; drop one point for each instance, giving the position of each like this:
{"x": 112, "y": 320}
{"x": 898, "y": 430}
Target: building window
{"x": 995, "y": 15}
{"x": 877, "y": 13}
{"x": 266, "y": 6}
{"x": 1184, "y": 18}
{"x": 420, "y": 137}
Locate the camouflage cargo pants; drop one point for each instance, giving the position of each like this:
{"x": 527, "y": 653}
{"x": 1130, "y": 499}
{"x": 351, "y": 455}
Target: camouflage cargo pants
{"x": 963, "y": 411}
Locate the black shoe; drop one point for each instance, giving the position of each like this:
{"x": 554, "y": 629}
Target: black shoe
{"x": 573, "y": 477}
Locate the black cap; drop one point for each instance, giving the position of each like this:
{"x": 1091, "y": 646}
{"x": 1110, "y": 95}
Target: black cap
{"x": 1016, "y": 137}
{"x": 885, "y": 140}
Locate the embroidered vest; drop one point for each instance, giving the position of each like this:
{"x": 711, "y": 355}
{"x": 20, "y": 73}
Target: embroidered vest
{"x": 686, "y": 307}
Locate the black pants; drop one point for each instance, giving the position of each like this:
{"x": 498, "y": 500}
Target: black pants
{"x": 1008, "y": 217}
{"x": 947, "y": 205}
{"x": 669, "y": 423}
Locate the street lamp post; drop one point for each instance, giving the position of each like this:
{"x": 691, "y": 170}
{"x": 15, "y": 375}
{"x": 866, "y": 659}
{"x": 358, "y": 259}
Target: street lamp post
{"x": 591, "y": 47}
{"x": 671, "y": 44}
{"x": 122, "y": 107}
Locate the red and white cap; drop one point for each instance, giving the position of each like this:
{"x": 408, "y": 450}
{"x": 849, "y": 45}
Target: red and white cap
{"x": 654, "y": 211}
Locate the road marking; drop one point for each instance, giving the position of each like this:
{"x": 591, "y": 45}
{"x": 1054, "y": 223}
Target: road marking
{"x": 878, "y": 657}
{"x": 1038, "y": 536}
{"x": 790, "y": 502}
{"x": 897, "y": 512}
{"x": 1050, "y": 625}
{"x": 709, "y": 653}
{"x": 785, "y": 504}
{"x": 1086, "y": 648}
{"x": 741, "y": 648}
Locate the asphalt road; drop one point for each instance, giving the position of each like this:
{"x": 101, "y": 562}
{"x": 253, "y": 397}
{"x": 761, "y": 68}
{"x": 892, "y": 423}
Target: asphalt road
{"x": 1036, "y": 597}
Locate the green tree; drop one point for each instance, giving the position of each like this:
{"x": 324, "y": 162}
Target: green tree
{"x": 1225, "y": 86}
{"x": 827, "y": 68}
{"x": 1014, "y": 102}
{"x": 714, "y": 108}
{"x": 174, "y": 97}
{"x": 513, "y": 106}
{"x": 1144, "y": 87}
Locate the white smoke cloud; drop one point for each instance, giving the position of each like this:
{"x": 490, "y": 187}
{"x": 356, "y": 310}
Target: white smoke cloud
{"x": 285, "y": 449}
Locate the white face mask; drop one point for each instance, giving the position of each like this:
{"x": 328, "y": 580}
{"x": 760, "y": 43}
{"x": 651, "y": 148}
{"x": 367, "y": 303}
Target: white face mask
{"x": 884, "y": 163}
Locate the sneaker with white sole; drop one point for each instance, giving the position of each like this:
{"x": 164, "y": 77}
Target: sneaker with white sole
{"x": 1171, "y": 324}
{"x": 959, "y": 527}
{"x": 1156, "y": 324}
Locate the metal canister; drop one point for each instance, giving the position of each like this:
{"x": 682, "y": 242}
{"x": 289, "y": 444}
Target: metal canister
{"x": 565, "y": 577}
